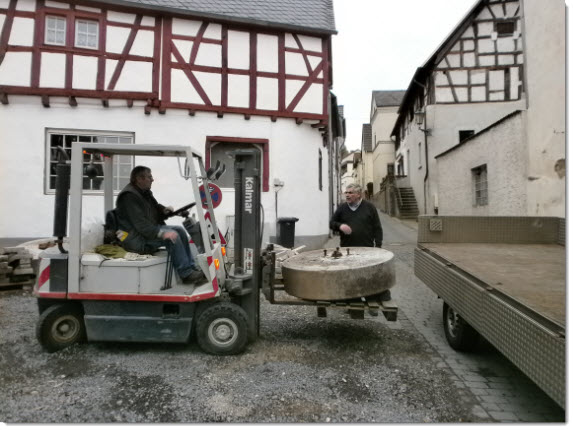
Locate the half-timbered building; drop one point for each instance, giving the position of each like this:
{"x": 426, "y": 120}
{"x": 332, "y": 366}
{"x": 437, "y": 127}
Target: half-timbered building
{"x": 481, "y": 129}
{"x": 214, "y": 74}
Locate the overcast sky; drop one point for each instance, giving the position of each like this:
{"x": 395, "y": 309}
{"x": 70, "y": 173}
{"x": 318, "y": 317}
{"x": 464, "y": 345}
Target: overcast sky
{"x": 379, "y": 45}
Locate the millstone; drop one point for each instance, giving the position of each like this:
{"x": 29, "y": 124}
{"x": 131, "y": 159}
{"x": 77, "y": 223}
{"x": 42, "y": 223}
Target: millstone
{"x": 356, "y": 272}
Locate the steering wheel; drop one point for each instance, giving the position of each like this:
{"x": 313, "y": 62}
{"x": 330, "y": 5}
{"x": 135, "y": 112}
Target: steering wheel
{"x": 179, "y": 212}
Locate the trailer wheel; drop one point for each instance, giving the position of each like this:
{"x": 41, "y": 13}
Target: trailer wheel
{"x": 60, "y": 326}
{"x": 222, "y": 329}
{"x": 460, "y": 335}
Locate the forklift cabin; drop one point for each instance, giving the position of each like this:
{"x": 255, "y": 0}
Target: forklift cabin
{"x": 86, "y": 296}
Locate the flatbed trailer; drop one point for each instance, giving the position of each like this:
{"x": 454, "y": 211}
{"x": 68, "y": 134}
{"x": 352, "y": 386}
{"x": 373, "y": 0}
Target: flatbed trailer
{"x": 504, "y": 278}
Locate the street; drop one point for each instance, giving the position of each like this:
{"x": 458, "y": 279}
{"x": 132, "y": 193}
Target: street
{"x": 302, "y": 369}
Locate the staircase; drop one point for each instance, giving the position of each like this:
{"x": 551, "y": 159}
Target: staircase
{"x": 407, "y": 206}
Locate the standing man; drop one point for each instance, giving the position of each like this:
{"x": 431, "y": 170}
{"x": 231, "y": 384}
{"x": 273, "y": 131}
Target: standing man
{"x": 358, "y": 222}
{"x": 142, "y": 221}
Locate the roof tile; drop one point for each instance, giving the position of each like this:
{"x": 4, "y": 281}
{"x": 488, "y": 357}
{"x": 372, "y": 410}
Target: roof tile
{"x": 311, "y": 14}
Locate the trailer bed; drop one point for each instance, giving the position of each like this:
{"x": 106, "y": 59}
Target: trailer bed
{"x": 532, "y": 274}
{"x": 506, "y": 278}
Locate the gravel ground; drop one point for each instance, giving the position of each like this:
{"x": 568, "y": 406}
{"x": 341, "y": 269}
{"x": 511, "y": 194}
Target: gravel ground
{"x": 302, "y": 369}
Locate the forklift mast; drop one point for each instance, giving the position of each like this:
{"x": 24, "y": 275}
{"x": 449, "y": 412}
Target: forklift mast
{"x": 248, "y": 234}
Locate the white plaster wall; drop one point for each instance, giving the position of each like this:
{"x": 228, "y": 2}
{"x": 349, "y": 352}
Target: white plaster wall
{"x": 347, "y": 177}
{"x": 293, "y": 151}
{"x": 367, "y": 170}
{"x": 22, "y": 33}
{"x": 545, "y": 68}
{"x": 85, "y": 72}
{"x": 384, "y": 154}
{"x": 269, "y": 44}
{"x": 12, "y": 66}
{"x": 501, "y": 149}
{"x": 382, "y": 123}
{"x": 444, "y": 122}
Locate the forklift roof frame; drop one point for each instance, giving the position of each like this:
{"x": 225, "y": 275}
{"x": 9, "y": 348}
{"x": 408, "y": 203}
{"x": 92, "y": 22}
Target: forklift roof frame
{"x": 208, "y": 226}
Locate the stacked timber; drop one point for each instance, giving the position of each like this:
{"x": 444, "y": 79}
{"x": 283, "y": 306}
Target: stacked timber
{"x": 15, "y": 266}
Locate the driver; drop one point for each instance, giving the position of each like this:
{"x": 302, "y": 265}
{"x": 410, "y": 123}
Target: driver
{"x": 143, "y": 229}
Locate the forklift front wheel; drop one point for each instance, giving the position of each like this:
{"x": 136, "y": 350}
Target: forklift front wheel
{"x": 460, "y": 335}
{"x": 60, "y": 326}
{"x": 222, "y": 329}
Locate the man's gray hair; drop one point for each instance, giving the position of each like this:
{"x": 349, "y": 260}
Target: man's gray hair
{"x": 355, "y": 187}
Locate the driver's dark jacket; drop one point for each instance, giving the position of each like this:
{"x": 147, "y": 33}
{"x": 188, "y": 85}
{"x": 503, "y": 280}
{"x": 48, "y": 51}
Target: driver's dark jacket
{"x": 139, "y": 215}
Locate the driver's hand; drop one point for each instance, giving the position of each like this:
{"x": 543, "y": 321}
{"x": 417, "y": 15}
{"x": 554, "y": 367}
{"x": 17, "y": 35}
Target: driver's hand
{"x": 168, "y": 210}
{"x": 184, "y": 214}
{"x": 170, "y": 235}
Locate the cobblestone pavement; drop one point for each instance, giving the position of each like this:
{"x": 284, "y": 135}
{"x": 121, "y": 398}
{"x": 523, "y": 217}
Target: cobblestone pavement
{"x": 501, "y": 392}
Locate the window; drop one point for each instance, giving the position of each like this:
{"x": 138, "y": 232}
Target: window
{"x": 86, "y": 34}
{"x": 219, "y": 153}
{"x": 121, "y": 167}
{"x": 216, "y": 148}
{"x": 464, "y": 134}
{"x": 479, "y": 180}
{"x": 505, "y": 28}
{"x": 320, "y": 170}
{"x": 55, "y": 30}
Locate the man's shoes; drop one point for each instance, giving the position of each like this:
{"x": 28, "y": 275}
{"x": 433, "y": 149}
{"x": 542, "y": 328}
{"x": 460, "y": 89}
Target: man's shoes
{"x": 196, "y": 277}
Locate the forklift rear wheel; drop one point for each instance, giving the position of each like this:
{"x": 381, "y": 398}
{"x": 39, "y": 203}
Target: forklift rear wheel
{"x": 222, "y": 329}
{"x": 60, "y": 326}
{"x": 460, "y": 335}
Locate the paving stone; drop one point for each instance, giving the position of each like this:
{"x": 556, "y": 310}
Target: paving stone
{"x": 493, "y": 399}
{"x": 472, "y": 377}
{"x": 504, "y": 416}
{"x": 471, "y": 384}
{"x": 480, "y": 412}
{"x": 530, "y": 417}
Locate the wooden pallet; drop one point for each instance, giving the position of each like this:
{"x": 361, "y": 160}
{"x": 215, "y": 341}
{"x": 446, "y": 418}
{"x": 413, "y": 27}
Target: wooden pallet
{"x": 355, "y": 307}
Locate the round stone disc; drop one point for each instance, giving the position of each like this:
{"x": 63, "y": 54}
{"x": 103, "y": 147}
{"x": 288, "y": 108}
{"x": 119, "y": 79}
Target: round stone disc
{"x": 358, "y": 272}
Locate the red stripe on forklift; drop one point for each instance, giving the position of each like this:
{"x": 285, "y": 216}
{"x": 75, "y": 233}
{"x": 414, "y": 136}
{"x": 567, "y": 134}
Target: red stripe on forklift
{"x": 140, "y": 297}
{"x": 47, "y": 295}
{"x": 44, "y": 276}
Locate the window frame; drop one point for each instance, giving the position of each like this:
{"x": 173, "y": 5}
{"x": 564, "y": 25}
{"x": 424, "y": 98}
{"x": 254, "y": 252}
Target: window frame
{"x": 76, "y": 33}
{"x": 465, "y": 134}
{"x": 498, "y": 24}
{"x": 210, "y": 141}
{"x": 49, "y": 132}
{"x": 480, "y": 186}
{"x": 61, "y": 18}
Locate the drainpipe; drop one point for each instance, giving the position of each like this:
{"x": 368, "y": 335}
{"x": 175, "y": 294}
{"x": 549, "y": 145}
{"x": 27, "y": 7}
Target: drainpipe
{"x": 427, "y": 165}
{"x": 425, "y": 131}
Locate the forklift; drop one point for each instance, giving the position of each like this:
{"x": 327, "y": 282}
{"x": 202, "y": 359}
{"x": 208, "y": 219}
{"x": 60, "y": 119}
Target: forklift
{"x": 86, "y": 296}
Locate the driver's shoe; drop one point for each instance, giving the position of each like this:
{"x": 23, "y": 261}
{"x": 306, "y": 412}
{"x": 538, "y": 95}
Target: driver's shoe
{"x": 195, "y": 277}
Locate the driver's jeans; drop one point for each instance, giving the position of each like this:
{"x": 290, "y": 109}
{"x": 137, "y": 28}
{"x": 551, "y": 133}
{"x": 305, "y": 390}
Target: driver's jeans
{"x": 179, "y": 250}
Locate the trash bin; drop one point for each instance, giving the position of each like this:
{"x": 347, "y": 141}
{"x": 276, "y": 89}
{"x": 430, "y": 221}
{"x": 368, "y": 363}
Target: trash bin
{"x": 285, "y": 232}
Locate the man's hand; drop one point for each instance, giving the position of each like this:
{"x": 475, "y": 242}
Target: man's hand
{"x": 171, "y": 235}
{"x": 345, "y": 228}
{"x": 168, "y": 210}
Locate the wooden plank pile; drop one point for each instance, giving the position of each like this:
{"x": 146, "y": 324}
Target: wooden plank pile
{"x": 16, "y": 267}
